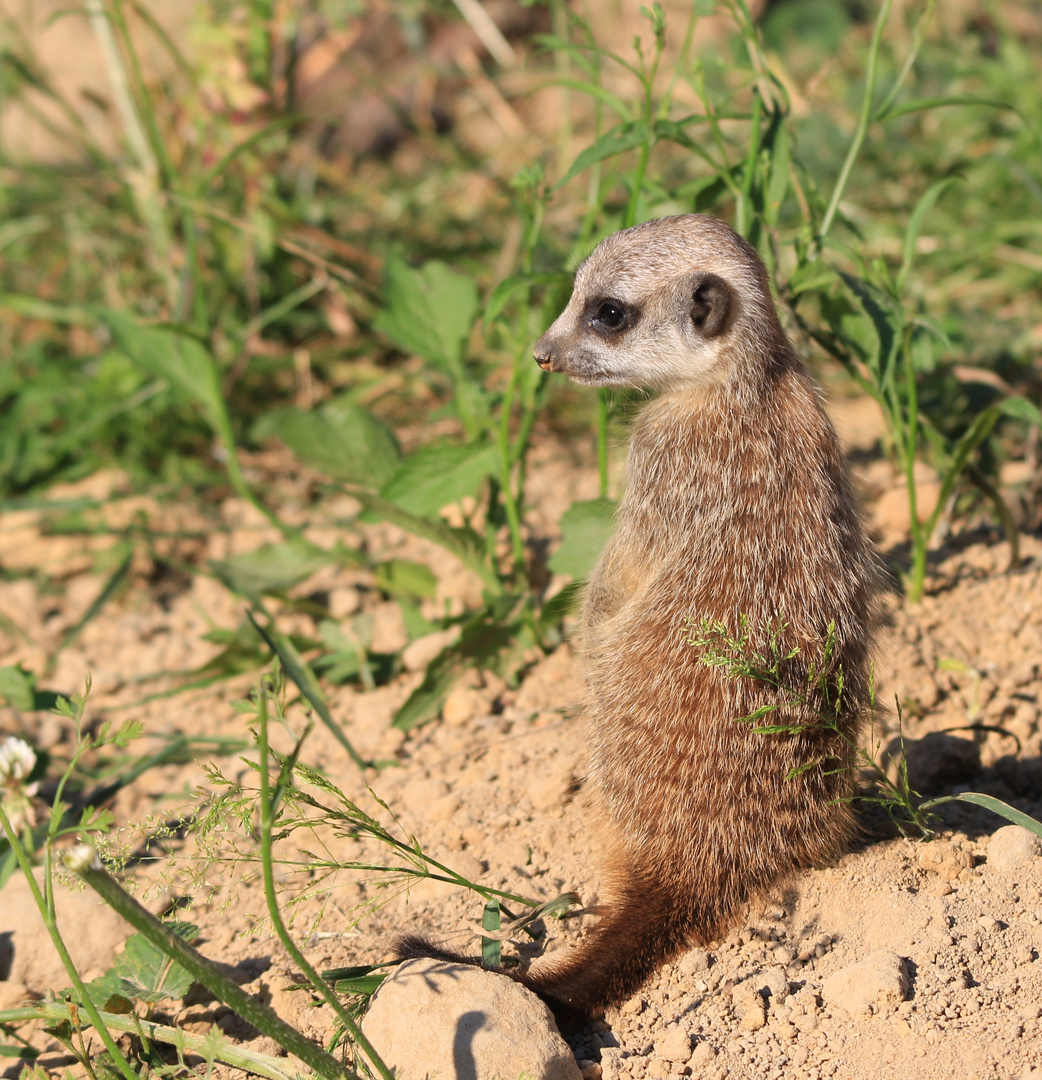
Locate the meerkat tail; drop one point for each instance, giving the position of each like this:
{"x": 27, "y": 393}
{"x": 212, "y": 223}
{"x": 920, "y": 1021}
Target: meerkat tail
{"x": 644, "y": 927}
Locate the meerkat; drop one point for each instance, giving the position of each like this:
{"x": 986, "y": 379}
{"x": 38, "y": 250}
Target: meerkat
{"x": 738, "y": 508}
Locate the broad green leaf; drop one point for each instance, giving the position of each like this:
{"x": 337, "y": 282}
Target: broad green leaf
{"x": 465, "y": 543}
{"x": 272, "y": 568}
{"x": 616, "y": 141}
{"x": 989, "y": 802}
{"x": 428, "y": 312}
{"x": 16, "y": 688}
{"x": 887, "y": 320}
{"x": 672, "y": 131}
{"x": 144, "y": 973}
{"x": 483, "y": 638}
{"x": 585, "y": 529}
{"x": 811, "y": 276}
{"x": 402, "y": 578}
{"x": 924, "y": 104}
{"x": 183, "y": 361}
{"x": 505, "y": 291}
{"x": 778, "y": 181}
{"x": 1020, "y": 408}
{"x": 440, "y": 474}
{"x": 342, "y": 441}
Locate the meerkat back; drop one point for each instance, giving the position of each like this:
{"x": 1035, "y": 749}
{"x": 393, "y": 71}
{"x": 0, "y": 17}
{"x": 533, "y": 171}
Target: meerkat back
{"x": 738, "y": 510}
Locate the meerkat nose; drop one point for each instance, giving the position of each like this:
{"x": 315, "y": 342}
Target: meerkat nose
{"x": 544, "y": 354}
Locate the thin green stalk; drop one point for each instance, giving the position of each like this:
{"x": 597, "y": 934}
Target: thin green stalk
{"x": 506, "y": 459}
{"x": 83, "y": 860}
{"x": 864, "y": 120}
{"x": 57, "y": 1012}
{"x": 45, "y": 905}
{"x": 268, "y": 807}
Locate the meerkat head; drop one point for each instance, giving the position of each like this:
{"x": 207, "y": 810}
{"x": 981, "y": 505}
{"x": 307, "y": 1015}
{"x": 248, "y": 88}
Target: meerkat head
{"x": 671, "y": 303}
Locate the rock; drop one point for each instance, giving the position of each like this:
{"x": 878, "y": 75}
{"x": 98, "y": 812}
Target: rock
{"x": 702, "y": 1056}
{"x": 945, "y": 858}
{"x": 877, "y": 984}
{"x": 674, "y": 1046}
{"x": 1012, "y": 846}
{"x": 450, "y": 1020}
{"x": 749, "y": 1004}
{"x": 694, "y": 962}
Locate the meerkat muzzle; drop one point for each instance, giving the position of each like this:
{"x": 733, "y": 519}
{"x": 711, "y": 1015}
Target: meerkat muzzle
{"x": 544, "y": 356}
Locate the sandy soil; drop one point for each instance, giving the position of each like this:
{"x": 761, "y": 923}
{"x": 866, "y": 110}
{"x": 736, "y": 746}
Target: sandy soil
{"x": 951, "y": 929}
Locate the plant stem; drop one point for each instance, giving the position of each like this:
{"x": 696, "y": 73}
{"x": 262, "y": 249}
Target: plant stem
{"x": 864, "y": 120}
{"x": 268, "y": 807}
{"x": 83, "y": 860}
{"x": 56, "y": 1012}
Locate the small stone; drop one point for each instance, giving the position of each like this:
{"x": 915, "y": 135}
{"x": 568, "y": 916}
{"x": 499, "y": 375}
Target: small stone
{"x": 784, "y": 955}
{"x": 694, "y": 962}
{"x": 1012, "y": 846}
{"x": 658, "y": 1067}
{"x": 674, "y": 1046}
{"x": 988, "y": 924}
{"x": 877, "y": 984}
{"x": 944, "y": 858}
{"x": 633, "y": 1007}
{"x": 702, "y": 1056}
{"x": 754, "y": 1019}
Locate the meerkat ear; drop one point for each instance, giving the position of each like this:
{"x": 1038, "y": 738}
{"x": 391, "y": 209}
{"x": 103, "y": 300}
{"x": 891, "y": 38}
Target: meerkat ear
{"x": 710, "y": 304}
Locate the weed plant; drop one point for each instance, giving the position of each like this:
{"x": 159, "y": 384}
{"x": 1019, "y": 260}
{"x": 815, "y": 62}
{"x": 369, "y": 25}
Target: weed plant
{"x": 818, "y": 693}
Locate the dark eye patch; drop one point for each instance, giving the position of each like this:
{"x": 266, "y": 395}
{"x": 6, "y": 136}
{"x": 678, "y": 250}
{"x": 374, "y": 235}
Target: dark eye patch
{"x": 610, "y": 317}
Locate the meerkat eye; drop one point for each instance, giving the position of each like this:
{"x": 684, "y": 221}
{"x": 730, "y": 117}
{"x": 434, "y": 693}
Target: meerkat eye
{"x": 610, "y": 316}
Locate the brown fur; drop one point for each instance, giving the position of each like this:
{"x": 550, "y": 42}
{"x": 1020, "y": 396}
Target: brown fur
{"x": 737, "y": 504}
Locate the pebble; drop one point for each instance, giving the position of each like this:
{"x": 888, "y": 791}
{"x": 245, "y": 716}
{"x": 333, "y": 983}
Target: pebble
{"x": 1012, "y": 846}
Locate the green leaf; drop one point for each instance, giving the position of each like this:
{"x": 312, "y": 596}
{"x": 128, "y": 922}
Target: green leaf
{"x": 915, "y": 224}
{"x": 491, "y": 950}
{"x": 1020, "y": 408}
{"x": 616, "y": 141}
{"x": 17, "y": 688}
{"x": 887, "y": 321}
{"x": 440, "y": 474}
{"x": 181, "y": 360}
{"x": 342, "y": 441}
{"x": 674, "y": 132}
{"x": 924, "y": 104}
{"x": 483, "y": 638}
{"x": 428, "y": 312}
{"x": 811, "y": 276}
{"x": 142, "y": 972}
{"x": 272, "y": 568}
{"x": 504, "y": 292}
{"x": 297, "y": 670}
{"x": 586, "y": 527}
{"x": 996, "y": 806}
{"x": 403, "y": 578}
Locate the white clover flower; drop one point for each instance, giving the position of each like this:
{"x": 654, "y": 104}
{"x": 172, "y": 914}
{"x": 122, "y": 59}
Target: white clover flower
{"x": 17, "y": 761}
